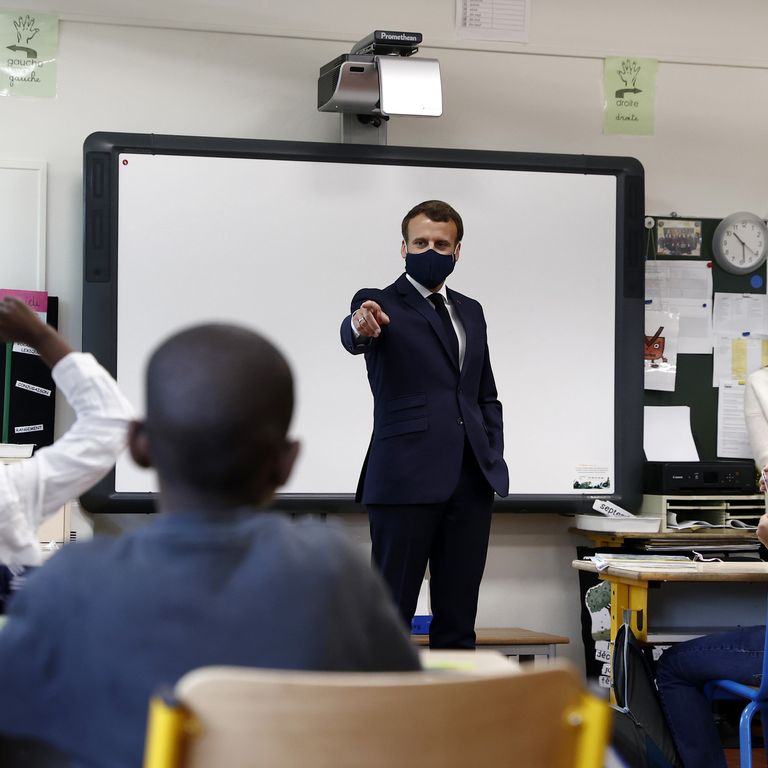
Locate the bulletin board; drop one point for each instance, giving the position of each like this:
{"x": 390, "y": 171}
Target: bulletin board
{"x": 694, "y": 371}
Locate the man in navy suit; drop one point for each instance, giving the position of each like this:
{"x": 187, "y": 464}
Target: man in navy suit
{"x": 436, "y": 453}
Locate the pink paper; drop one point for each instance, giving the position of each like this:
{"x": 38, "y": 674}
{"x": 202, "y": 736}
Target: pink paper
{"x": 37, "y": 300}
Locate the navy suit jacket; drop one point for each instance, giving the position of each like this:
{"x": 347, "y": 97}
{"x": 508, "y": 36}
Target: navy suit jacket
{"x": 423, "y": 406}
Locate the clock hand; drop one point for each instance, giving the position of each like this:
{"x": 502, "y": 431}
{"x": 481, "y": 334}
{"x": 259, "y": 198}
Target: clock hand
{"x": 743, "y": 244}
{"x": 751, "y": 249}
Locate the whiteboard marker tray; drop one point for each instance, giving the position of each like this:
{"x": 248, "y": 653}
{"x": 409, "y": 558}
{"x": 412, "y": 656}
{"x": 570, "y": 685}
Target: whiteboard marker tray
{"x": 618, "y": 524}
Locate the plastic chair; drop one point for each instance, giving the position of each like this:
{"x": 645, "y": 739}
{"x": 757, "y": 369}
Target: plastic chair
{"x": 757, "y": 700}
{"x": 240, "y": 718}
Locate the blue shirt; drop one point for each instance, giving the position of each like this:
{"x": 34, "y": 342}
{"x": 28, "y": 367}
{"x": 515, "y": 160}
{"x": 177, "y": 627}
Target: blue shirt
{"x": 106, "y": 623}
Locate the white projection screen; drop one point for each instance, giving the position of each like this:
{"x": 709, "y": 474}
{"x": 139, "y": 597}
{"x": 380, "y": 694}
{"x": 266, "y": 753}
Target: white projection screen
{"x": 278, "y": 236}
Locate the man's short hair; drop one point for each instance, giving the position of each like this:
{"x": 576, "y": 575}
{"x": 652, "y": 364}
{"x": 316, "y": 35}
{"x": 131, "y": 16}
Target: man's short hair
{"x": 434, "y": 210}
{"x": 219, "y": 404}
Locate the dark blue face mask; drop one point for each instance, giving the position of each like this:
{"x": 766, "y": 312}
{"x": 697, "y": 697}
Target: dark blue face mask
{"x": 429, "y": 268}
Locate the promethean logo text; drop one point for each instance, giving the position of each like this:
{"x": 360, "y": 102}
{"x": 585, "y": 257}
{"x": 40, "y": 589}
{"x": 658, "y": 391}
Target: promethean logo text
{"x": 402, "y": 36}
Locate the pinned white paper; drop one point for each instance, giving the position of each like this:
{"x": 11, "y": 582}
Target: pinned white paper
{"x": 732, "y": 438}
{"x": 667, "y": 433}
{"x": 739, "y": 314}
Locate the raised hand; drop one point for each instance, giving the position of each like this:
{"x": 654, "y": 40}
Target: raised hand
{"x": 19, "y": 323}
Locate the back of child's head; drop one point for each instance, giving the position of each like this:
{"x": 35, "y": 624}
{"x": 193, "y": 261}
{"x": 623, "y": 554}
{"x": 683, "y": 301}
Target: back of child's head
{"x": 219, "y": 403}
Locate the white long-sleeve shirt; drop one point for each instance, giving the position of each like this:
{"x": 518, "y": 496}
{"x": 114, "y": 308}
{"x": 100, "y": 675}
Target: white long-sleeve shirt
{"x": 32, "y": 489}
{"x": 756, "y": 415}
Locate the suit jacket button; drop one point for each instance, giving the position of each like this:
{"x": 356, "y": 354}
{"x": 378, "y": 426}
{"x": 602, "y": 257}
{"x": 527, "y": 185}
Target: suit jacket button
{"x": 459, "y": 421}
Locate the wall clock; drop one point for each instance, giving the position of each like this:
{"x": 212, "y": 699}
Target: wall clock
{"x": 740, "y": 243}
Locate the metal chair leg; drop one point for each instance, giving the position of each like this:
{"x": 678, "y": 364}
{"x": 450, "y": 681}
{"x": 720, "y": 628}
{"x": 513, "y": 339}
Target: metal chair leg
{"x": 745, "y": 735}
{"x": 764, "y": 722}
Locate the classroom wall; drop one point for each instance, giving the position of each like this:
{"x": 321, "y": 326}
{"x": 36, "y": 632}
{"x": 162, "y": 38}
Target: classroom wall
{"x": 233, "y": 70}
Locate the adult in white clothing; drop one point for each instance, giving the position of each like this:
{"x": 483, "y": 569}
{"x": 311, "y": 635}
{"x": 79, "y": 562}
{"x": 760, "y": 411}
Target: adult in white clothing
{"x": 684, "y": 669}
{"x": 756, "y": 416}
{"x": 33, "y": 489}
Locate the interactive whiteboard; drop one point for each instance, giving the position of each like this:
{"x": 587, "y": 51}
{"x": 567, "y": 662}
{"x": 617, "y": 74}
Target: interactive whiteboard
{"x": 279, "y": 236}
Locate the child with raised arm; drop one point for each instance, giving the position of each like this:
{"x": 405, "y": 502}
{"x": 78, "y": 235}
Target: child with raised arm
{"x": 33, "y": 489}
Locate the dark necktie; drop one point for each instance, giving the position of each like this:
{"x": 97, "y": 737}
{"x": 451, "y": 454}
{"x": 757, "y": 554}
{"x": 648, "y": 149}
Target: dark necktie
{"x": 442, "y": 312}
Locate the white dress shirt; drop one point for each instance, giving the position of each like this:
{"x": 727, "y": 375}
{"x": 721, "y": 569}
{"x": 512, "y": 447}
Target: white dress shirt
{"x": 35, "y": 488}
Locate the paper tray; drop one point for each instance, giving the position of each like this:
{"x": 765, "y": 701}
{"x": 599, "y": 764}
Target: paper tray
{"x": 618, "y": 524}
{"x": 16, "y": 450}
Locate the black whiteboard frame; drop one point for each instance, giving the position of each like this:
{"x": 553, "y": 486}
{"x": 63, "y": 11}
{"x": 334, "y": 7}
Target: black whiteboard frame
{"x": 100, "y": 258}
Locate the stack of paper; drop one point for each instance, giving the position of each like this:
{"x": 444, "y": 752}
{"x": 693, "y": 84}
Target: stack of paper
{"x": 604, "y": 560}
{"x": 672, "y": 522}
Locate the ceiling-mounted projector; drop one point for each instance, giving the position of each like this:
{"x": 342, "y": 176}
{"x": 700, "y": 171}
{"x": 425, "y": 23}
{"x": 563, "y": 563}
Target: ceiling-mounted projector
{"x": 379, "y": 77}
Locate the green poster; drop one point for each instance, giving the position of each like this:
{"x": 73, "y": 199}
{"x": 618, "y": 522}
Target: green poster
{"x": 629, "y": 87}
{"x": 28, "y": 50}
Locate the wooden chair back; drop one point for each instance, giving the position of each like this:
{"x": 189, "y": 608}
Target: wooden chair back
{"x": 241, "y": 718}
